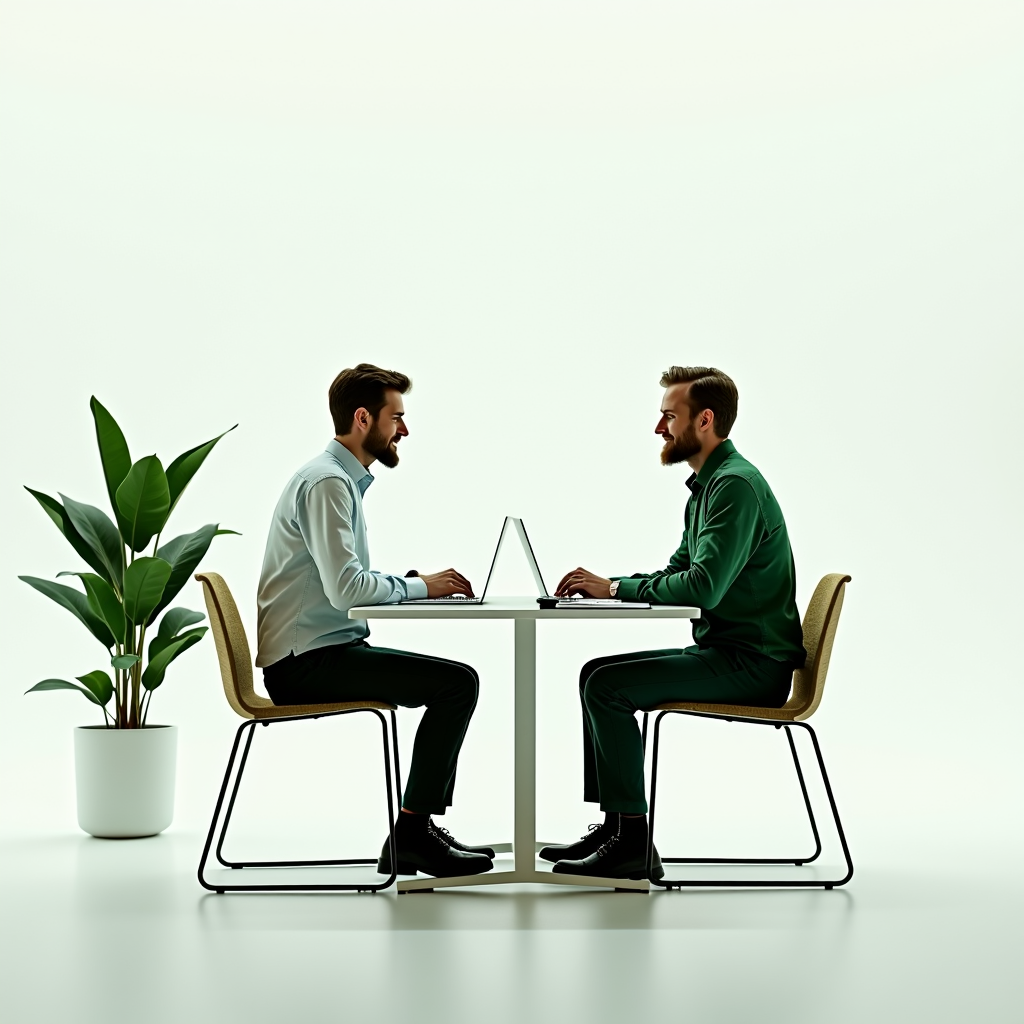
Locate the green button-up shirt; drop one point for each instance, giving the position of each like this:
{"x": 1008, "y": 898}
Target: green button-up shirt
{"x": 734, "y": 563}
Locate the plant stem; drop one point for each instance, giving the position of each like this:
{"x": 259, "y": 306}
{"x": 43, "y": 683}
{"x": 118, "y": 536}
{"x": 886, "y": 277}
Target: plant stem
{"x": 133, "y": 697}
{"x": 137, "y": 688}
{"x": 119, "y": 708}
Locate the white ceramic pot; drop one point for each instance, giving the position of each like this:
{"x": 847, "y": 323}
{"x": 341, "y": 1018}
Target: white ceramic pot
{"x": 125, "y": 779}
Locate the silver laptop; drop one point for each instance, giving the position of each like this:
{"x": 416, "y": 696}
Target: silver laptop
{"x": 520, "y": 529}
{"x": 461, "y": 599}
{"x": 546, "y": 600}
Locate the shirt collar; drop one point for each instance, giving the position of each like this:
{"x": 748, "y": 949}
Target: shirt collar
{"x": 360, "y": 475}
{"x": 711, "y": 465}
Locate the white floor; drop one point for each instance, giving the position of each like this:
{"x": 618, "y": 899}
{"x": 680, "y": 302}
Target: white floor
{"x": 107, "y": 931}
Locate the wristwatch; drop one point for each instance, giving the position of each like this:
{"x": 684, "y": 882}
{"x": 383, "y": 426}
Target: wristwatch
{"x": 614, "y": 588}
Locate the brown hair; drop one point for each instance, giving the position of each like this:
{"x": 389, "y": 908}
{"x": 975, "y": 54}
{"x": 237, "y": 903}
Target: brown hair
{"x": 709, "y": 389}
{"x": 362, "y": 387}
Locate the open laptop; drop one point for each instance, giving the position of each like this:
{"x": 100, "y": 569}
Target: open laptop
{"x": 547, "y": 600}
{"x": 461, "y": 599}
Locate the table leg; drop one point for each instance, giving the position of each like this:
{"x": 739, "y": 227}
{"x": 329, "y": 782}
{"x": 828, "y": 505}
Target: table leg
{"x": 525, "y": 724}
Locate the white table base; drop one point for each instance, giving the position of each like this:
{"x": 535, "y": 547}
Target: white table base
{"x": 524, "y": 844}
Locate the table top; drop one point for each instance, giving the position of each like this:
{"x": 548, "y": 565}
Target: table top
{"x": 516, "y": 608}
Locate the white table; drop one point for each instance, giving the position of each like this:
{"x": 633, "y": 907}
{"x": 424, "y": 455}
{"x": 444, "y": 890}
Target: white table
{"x": 525, "y": 612}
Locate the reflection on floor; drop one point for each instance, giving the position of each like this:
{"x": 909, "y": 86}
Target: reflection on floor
{"x": 121, "y": 931}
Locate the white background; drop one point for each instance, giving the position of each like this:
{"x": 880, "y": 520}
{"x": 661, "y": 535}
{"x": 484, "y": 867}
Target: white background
{"x": 211, "y": 208}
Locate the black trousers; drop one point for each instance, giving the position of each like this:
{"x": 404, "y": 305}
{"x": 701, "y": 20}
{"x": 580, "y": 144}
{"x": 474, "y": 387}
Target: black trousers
{"x": 613, "y": 689}
{"x": 448, "y": 690}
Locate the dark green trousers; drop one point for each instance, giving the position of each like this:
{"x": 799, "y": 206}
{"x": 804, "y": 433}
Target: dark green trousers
{"x": 448, "y": 690}
{"x": 613, "y": 689}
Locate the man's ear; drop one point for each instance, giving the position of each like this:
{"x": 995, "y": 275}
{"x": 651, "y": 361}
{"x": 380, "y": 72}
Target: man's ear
{"x": 361, "y": 418}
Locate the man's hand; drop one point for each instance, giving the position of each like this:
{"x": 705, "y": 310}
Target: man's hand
{"x": 580, "y": 581}
{"x": 443, "y": 584}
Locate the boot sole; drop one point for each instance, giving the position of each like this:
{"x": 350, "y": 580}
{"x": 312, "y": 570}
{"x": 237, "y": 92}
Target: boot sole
{"x": 633, "y": 876}
{"x": 411, "y": 869}
{"x": 636, "y": 876}
{"x": 554, "y": 858}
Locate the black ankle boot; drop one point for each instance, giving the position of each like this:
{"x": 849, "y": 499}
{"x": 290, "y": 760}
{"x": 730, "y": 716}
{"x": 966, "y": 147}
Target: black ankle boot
{"x": 585, "y": 845}
{"x": 421, "y": 848}
{"x": 624, "y": 855}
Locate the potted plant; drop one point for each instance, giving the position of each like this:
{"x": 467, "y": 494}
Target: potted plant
{"x": 125, "y": 768}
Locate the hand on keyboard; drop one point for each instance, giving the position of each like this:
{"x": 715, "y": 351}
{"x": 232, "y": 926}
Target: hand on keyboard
{"x": 447, "y": 584}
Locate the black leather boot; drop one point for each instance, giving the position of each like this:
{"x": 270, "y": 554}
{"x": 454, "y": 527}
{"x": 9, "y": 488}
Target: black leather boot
{"x": 585, "y": 845}
{"x": 624, "y": 855}
{"x": 421, "y": 848}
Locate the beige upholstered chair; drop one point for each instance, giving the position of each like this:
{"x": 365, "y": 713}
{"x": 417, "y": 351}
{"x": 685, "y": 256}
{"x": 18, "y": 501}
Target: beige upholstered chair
{"x": 819, "y": 624}
{"x": 236, "y": 675}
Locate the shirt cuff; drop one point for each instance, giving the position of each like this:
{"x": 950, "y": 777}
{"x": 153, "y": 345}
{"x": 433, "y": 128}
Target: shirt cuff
{"x": 628, "y": 589}
{"x": 417, "y": 589}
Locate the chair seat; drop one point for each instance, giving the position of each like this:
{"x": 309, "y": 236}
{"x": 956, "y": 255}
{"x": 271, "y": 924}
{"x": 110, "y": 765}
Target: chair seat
{"x": 783, "y": 714}
{"x": 268, "y": 709}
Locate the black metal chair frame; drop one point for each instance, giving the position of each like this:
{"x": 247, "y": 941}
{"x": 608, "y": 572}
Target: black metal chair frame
{"x": 679, "y": 883}
{"x": 390, "y": 743}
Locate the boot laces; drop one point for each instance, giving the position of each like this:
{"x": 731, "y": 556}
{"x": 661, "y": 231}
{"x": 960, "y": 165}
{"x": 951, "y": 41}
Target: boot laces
{"x": 444, "y": 835}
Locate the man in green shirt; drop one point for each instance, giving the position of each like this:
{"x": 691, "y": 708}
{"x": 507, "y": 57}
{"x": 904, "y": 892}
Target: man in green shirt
{"x": 734, "y": 563}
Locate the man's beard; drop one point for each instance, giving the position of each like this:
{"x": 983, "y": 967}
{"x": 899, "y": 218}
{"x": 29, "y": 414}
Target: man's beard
{"x": 379, "y": 446}
{"x": 679, "y": 449}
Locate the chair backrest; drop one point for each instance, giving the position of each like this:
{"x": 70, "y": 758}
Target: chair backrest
{"x": 232, "y": 646}
{"x": 820, "y": 622}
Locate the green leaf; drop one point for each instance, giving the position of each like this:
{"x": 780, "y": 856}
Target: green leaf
{"x": 123, "y": 661}
{"x": 143, "y": 502}
{"x": 160, "y": 643}
{"x": 76, "y": 603}
{"x": 184, "y": 553}
{"x": 104, "y": 602}
{"x": 185, "y": 466}
{"x": 113, "y": 450}
{"x": 154, "y": 674}
{"x": 56, "y": 511}
{"x": 99, "y": 684}
{"x": 101, "y": 535}
{"x": 176, "y": 619}
{"x": 144, "y": 582}
{"x": 62, "y": 684}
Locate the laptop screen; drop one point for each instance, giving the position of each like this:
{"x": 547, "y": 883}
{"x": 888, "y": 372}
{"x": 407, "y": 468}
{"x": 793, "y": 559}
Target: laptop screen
{"x": 530, "y": 556}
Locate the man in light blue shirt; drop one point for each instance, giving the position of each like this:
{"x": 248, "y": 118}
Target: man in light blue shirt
{"x": 317, "y": 567}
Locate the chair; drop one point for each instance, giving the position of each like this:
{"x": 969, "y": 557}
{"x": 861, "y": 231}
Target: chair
{"x": 236, "y": 674}
{"x": 819, "y": 624}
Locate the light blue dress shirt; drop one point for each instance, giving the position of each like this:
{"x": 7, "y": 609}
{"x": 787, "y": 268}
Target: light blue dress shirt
{"x": 317, "y": 563}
